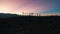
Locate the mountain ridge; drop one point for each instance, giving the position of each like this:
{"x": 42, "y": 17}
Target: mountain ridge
{"x": 7, "y": 15}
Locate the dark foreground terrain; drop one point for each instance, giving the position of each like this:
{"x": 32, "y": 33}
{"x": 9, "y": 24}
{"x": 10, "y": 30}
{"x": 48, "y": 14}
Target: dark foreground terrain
{"x": 30, "y": 25}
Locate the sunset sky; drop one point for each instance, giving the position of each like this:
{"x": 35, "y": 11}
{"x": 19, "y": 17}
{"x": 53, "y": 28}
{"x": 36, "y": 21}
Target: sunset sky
{"x": 35, "y": 6}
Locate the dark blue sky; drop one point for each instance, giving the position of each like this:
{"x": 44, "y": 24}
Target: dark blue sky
{"x": 54, "y": 6}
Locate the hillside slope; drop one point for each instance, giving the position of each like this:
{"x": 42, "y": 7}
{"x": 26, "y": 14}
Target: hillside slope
{"x": 30, "y": 25}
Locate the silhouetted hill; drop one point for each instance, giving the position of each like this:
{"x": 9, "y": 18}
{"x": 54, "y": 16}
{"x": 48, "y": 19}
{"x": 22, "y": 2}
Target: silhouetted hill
{"x": 3, "y": 15}
{"x": 30, "y": 25}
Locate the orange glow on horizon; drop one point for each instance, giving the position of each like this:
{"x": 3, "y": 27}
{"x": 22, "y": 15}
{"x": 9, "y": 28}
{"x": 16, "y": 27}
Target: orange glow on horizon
{"x": 19, "y": 6}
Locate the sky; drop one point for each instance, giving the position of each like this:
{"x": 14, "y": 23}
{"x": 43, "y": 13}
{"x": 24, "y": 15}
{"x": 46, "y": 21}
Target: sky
{"x": 30, "y": 6}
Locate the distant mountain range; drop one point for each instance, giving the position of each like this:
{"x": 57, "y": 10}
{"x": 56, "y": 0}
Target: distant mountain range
{"x": 3, "y": 15}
